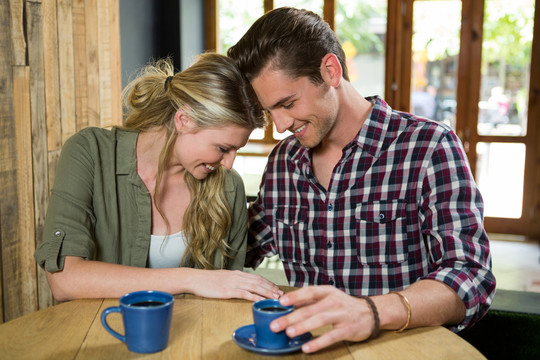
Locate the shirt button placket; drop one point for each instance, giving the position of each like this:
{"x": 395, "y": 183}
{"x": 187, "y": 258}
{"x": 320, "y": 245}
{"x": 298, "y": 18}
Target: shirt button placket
{"x": 330, "y": 244}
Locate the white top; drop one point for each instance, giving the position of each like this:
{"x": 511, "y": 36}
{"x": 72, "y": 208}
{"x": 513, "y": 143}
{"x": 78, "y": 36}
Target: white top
{"x": 166, "y": 251}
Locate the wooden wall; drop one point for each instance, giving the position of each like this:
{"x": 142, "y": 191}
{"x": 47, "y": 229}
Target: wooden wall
{"x": 60, "y": 72}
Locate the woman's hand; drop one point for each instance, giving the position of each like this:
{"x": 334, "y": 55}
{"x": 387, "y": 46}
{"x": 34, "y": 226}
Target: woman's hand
{"x": 227, "y": 284}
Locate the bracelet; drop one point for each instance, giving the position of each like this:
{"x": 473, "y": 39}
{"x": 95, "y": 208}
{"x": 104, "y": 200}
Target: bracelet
{"x": 408, "y": 310}
{"x": 376, "y": 324}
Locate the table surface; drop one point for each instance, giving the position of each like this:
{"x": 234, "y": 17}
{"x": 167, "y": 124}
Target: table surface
{"x": 201, "y": 329}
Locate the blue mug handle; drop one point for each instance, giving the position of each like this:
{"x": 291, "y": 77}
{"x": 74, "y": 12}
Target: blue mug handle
{"x": 104, "y": 314}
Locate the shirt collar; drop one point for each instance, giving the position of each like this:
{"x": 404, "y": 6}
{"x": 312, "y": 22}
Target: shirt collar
{"x": 126, "y": 151}
{"x": 372, "y": 134}
{"x": 370, "y": 138}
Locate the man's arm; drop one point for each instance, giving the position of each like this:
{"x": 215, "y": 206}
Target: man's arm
{"x": 432, "y": 303}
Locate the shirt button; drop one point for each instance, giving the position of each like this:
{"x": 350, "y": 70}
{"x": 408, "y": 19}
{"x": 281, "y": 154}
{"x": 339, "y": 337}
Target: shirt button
{"x": 330, "y": 207}
{"x": 331, "y": 282}
{"x": 381, "y": 216}
{"x": 329, "y": 245}
{"x": 57, "y": 233}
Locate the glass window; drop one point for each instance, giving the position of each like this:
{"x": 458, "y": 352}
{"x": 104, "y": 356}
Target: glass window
{"x": 361, "y": 29}
{"x": 435, "y": 46}
{"x": 251, "y": 168}
{"x": 235, "y": 18}
{"x": 506, "y": 59}
{"x": 499, "y": 174}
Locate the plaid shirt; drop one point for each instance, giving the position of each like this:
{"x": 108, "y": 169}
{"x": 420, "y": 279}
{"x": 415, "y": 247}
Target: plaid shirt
{"x": 401, "y": 206}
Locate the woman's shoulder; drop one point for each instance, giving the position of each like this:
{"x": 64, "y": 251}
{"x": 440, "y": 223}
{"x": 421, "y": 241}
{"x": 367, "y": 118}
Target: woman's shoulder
{"x": 233, "y": 180}
{"x": 99, "y": 137}
{"x": 103, "y": 134}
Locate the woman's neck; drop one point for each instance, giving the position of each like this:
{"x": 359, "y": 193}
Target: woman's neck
{"x": 149, "y": 146}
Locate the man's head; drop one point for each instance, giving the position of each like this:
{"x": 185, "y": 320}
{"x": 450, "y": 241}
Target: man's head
{"x": 288, "y": 39}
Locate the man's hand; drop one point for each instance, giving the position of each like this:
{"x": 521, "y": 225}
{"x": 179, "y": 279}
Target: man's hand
{"x": 317, "y": 306}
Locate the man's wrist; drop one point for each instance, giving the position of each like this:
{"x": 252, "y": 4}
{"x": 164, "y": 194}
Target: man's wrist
{"x": 375, "y": 313}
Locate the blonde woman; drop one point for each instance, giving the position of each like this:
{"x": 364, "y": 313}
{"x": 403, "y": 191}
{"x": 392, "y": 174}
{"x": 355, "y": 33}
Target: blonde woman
{"x": 155, "y": 204}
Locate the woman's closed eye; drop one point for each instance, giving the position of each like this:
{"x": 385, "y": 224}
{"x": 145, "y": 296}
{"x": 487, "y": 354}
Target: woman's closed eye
{"x": 289, "y": 105}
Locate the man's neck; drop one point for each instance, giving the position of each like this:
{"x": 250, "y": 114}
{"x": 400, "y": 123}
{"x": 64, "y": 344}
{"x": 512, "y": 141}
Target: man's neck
{"x": 353, "y": 112}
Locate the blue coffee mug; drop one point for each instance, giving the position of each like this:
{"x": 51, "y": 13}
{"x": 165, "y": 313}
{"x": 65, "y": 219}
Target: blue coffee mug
{"x": 147, "y": 319}
{"x": 264, "y": 312}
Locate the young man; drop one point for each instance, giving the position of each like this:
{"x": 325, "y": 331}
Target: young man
{"x": 363, "y": 200}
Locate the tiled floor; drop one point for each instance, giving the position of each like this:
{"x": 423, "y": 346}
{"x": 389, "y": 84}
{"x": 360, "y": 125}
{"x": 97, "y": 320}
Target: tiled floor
{"x": 516, "y": 265}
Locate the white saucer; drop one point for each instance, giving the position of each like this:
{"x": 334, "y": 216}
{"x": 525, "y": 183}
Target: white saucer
{"x": 245, "y": 338}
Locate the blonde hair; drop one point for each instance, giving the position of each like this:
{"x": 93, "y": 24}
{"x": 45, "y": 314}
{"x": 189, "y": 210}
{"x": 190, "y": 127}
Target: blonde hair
{"x": 213, "y": 93}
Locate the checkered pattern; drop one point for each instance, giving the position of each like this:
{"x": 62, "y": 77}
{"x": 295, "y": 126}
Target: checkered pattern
{"x": 401, "y": 206}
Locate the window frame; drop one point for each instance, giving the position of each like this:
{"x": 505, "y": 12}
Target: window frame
{"x": 398, "y": 71}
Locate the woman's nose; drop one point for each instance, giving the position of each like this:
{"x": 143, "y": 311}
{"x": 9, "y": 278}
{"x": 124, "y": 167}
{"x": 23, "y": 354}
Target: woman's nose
{"x": 228, "y": 159}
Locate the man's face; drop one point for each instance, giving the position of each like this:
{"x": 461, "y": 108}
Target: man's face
{"x": 308, "y": 111}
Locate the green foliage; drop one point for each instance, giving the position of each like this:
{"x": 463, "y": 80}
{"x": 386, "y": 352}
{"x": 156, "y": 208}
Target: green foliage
{"x": 354, "y": 21}
{"x": 508, "y": 34}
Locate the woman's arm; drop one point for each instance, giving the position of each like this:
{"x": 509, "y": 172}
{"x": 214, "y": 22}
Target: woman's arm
{"x": 81, "y": 278}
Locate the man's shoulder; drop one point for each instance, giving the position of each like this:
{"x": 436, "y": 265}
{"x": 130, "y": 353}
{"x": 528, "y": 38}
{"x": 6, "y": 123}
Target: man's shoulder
{"x": 403, "y": 122}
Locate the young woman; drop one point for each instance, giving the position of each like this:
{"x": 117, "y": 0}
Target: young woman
{"x": 155, "y": 204}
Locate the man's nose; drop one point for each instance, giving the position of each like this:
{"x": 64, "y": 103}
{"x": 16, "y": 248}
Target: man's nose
{"x": 282, "y": 122}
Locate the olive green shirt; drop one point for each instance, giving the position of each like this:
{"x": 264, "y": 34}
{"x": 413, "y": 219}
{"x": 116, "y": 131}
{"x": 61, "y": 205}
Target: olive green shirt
{"x": 100, "y": 208}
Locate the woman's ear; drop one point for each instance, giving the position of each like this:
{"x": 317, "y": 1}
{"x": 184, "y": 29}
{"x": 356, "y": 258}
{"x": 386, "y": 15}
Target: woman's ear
{"x": 331, "y": 70}
{"x": 181, "y": 121}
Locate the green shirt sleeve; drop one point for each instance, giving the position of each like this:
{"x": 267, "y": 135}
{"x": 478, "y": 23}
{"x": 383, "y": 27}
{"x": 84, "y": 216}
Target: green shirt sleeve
{"x": 69, "y": 211}
{"x": 99, "y": 207}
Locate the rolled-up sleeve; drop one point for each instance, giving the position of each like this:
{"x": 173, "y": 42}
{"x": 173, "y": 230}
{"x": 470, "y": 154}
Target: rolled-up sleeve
{"x": 452, "y": 225}
{"x": 69, "y": 213}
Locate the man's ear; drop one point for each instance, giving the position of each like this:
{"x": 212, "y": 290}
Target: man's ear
{"x": 331, "y": 70}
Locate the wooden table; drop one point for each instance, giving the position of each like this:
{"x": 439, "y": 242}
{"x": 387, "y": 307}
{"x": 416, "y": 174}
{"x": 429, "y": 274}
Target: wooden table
{"x": 201, "y": 329}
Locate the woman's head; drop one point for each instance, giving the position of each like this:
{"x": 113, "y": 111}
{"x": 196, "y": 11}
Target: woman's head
{"x": 212, "y": 93}
{"x": 287, "y": 39}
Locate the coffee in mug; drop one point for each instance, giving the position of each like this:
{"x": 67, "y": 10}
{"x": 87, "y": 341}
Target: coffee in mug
{"x": 264, "y": 312}
{"x": 147, "y": 319}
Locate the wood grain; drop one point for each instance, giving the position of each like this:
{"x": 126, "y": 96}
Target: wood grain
{"x": 36, "y": 59}
{"x": 6, "y": 131}
{"x": 79, "y": 53}
{"x": 24, "y": 267}
{"x": 200, "y": 329}
{"x": 50, "y": 86}
{"x": 67, "y": 70}
{"x": 16, "y": 8}
{"x": 38, "y": 335}
{"x": 92, "y": 62}
{"x": 104, "y": 55}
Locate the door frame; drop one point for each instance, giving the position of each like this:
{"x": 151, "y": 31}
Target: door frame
{"x": 397, "y": 94}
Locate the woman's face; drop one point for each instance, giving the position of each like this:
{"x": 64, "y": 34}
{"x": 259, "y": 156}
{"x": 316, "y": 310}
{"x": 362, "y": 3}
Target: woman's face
{"x": 201, "y": 151}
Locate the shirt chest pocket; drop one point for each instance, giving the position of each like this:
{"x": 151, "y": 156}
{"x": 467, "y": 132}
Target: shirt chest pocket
{"x": 381, "y": 232}
{"x": 290, "y": 227}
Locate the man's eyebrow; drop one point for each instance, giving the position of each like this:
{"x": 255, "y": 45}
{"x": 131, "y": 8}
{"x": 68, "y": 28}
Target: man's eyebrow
{"x": 281, "y": 102}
